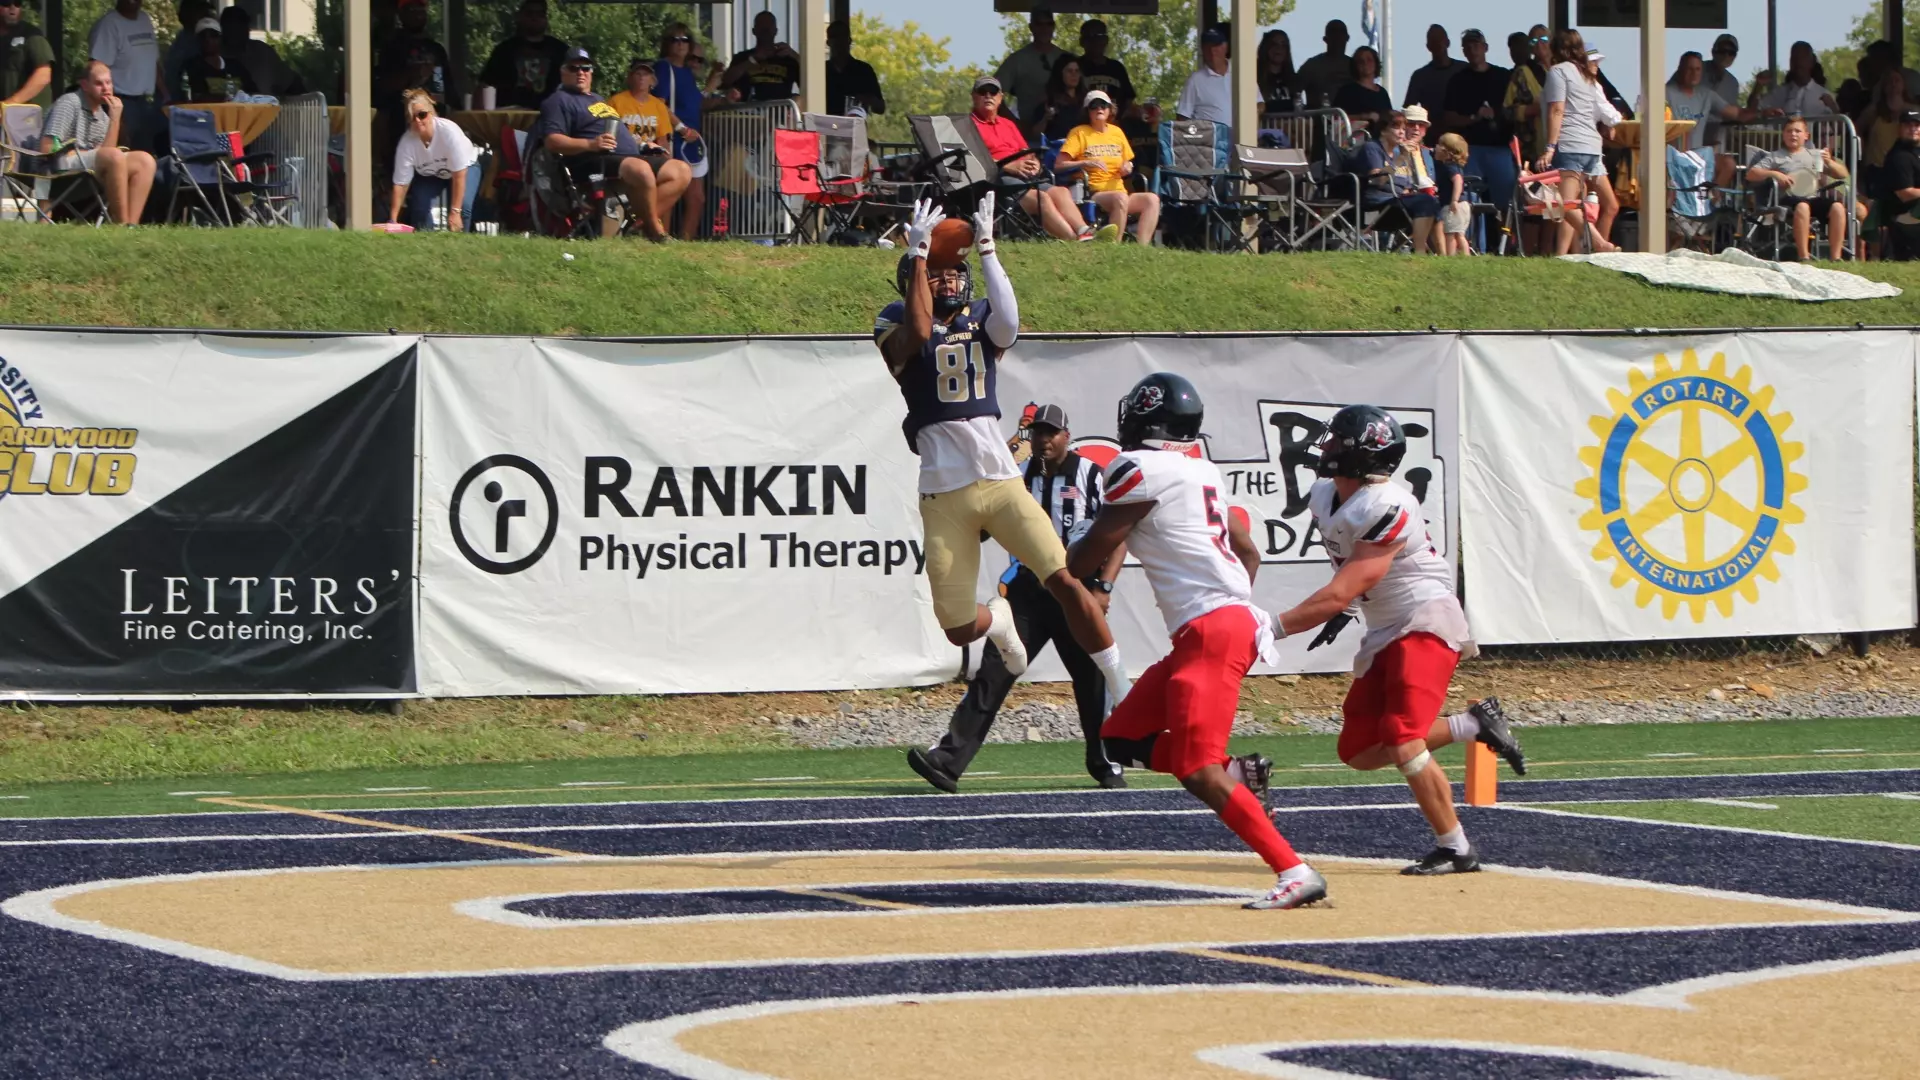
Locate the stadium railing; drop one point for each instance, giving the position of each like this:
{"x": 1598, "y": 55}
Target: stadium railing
{"x": 743, "y": 180}
{"x": 1835, "y": 133}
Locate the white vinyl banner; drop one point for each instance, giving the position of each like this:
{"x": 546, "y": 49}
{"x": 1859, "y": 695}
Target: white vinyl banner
{"x": 1634, "y": 488}
{"x": 1267, "y": 401}
{"x": 600, "y": 517}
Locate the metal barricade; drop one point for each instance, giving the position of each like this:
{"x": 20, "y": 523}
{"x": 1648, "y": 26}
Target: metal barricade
{"x": 298, "y": 137}
{"x": 1312, "y": 130}
{"x": 743, "y": 179}
{"x": 1835, "y": 134}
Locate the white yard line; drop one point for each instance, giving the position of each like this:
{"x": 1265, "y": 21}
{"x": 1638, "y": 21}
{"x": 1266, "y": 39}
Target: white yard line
{"x": 1741, "y": 803}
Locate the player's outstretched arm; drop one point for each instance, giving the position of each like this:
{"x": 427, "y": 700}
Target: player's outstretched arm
{"x": 1003, "y": 308}
{"x": 906, "y": 340}
{"x": 1363, "y": 571}
{"x": 1103, "y": 536}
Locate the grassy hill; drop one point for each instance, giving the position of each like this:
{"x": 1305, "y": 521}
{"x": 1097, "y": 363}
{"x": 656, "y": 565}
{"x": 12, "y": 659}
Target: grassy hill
{"x": 297, "y": 280}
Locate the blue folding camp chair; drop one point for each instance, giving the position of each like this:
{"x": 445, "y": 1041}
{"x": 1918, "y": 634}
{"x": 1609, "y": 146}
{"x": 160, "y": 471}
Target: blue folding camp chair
{"x": 205, "y": 174}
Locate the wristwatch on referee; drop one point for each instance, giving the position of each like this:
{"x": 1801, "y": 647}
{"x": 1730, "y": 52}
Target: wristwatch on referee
{"x": 1099, "y": 585}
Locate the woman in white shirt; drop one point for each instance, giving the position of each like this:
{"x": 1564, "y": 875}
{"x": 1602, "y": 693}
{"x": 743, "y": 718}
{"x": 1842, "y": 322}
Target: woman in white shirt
{"x": 434, "y": 159}
{"x": 1574, "y": 102}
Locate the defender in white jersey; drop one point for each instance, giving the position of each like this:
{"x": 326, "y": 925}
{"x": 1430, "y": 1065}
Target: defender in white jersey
{"x": 1388, "y": 571}
{"x": 1164, "y": 502}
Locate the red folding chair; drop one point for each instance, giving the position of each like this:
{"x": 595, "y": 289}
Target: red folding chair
{"x": 828, "y": 202}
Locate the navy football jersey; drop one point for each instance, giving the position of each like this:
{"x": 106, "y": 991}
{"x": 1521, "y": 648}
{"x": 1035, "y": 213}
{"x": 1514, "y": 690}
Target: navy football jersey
{"x": 954, "y": 376}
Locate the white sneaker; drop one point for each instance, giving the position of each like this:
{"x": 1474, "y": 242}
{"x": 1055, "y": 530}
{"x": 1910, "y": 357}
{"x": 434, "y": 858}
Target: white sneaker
{"x": 1013, "y": 652}
{"x": 1292, "y": 893}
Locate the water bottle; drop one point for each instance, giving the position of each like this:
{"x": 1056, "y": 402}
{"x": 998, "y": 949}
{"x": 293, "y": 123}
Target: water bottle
{"x": 438, "y": 87}
{"x": 720, "y": 219}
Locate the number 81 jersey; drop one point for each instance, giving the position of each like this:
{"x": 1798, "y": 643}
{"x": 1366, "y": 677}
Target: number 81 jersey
{"x": 953, "y": 377}
{"x": 1182, "y": 542}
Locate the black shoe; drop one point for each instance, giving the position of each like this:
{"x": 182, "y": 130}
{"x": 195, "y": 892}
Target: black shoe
{"x": 1256, "y": 772}
{"x": 919, "y": 762}
{"x": 1444, "y": 861}
{"x": 1108, "y": 775}
{"x": 1495, "y": 733}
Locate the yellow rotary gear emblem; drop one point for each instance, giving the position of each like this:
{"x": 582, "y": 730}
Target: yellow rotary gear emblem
{"x": 1692, "y": 486}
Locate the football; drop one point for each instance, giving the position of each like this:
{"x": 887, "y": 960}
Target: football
{"x": 951, "y": 239}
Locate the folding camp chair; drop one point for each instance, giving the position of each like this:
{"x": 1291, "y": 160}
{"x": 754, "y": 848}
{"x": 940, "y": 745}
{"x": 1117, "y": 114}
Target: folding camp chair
{"x": 34, "y": 184}
{"x": 511, "y": 194}
{"x": 1202, "y": 199}
{"x": 1278, "y": 179}
{"x": 956, "y": 162}
{"x": 820, "y": 203}
{"x": 218, "y": 183}
{"x": 1330, "y": 208}
{"x": 568, "y": 203}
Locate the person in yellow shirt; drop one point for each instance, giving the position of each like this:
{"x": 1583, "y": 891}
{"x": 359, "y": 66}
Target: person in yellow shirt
{"x": 1105, "y": 156}
{"x": 648, "y": 117}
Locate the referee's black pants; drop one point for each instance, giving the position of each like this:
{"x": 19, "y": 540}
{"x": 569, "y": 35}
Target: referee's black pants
{"x": 1038, "y": 619}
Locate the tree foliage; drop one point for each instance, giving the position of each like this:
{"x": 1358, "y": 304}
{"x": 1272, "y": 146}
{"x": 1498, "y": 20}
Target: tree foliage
{"x": 913, "y": 71}
{"x": 1160, "y": 51}
{"x": 1841, "y": 60}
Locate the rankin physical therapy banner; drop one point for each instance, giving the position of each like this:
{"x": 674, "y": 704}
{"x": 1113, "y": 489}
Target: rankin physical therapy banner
{"x": 618, "y": 518}
{"x": 209, "y": 515}
{"x": 1621, "y": 489}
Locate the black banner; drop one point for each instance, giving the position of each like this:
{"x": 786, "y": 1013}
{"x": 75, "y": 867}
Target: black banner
{"x": 286, "y": 568}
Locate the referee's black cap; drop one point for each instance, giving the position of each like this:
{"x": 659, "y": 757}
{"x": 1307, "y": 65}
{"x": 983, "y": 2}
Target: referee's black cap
{"x": 1050, "y": 416}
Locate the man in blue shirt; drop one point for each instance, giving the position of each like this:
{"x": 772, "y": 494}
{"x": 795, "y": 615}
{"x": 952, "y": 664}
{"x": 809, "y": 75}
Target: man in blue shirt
{"x": 578, "y": 125}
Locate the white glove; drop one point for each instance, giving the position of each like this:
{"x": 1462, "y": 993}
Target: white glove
{"x": 983, "y": 225}
{"x": 920, "y": 233}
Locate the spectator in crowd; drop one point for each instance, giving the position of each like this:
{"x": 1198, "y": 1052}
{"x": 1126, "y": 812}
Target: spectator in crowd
{"x": 210, "y": 76}
{"x": 647, "y": 117}
{"x": 185, "y": 45}
{"x": 1277, "y": 80}
{"x": 1800, "y": 94}
{"x": 1718, "y": 76}
{"x": 1575, "y": 105}
{"x": 1208, "y": 94}
{"x": 1532, "y": 56}
{"x": 26, "y": 60}
{"x": 435, "y": 160}
{"x": 1428, "y": 86}
{"x": 1473, "y": 103}
{"x": 1107, "y": 156}
{"x": 1853, "y": 95}
{"x": 124, "y": 40}
{"x": 1325, "y": 74}
{"x": 1899, "y": 192}
{"x": 1027, "y": 70}
{"x": 1101, "y": 72}
{"x": 1886, "y": 58}
{"x": 84, "y": 127}
{"x": 678, "y": 81}
{"x": 411, "y": 60}
{"x": 1052, "y": 206}
{"x": 851, "y": 84}
{"x": 1879, "y": 125}
{"x": 1388, "y": 169}
{"x": 1061, "y": 111}
{"x": 1364, "y": 100}
{"x": 525, "y": 68}
{"x": 1413, "y": 167}
{"x": 1689, "y": 99}
{"x": 770, "y": 71}
{"x": 577, "y": 124}
{"x": 1450, "y": 177}
{"x": 264, "y": 70}
{"x": 1800, "y": 173}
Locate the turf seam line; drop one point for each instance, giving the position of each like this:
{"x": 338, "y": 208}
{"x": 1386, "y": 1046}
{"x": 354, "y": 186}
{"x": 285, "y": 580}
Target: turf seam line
{"x": 442, "y": 834}
{"x": 1306, "y": 968}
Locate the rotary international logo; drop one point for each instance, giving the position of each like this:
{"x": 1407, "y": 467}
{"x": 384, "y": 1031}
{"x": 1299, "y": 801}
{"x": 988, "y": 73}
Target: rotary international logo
{"x": 1692, "y": 486}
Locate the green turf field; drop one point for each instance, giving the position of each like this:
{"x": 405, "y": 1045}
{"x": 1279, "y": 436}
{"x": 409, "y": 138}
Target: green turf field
{"x": 303, "y": 280}
{"x": 1894, "y": 818}
{"x": 1557, "y": 753}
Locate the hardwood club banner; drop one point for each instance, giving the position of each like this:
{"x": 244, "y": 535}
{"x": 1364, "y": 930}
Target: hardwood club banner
{"x": 1623, "y": 489}
{"x": 205, "y": 515}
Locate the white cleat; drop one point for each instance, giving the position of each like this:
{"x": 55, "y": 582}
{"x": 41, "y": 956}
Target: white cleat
{"x": 1013, "y": 651}
{"x": 1292, "y": 893}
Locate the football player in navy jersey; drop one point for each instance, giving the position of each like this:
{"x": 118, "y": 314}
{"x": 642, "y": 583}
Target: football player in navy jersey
{"x": 942, "y": 346}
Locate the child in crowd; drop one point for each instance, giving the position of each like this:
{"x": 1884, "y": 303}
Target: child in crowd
{"x": 1456, "y": 214}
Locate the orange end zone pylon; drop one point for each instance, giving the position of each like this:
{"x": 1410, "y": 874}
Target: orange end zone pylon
{"x": 1483, "y": 777}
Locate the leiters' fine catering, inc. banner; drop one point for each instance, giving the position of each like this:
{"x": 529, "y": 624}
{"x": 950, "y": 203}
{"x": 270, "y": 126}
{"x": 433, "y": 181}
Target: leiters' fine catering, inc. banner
{"x": 222, "y": 516}
{"x": 1619, "y": 489}
{"x": 615, "y": 518}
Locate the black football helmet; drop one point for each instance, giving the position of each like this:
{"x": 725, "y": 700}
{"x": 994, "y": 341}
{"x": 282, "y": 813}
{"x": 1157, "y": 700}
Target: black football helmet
{"x": 1361, "y": 441}
{"x": 944, "y": 307}
{"x": 1161, "y": 406}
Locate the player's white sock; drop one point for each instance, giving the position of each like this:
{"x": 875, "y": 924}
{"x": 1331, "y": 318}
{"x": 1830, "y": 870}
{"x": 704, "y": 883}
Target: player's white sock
{"x": 1464, "y": 727}
{"x": 1108, "y": 660}
{"x": 1296, "y": 872}
{"x": 1455, "y": 841}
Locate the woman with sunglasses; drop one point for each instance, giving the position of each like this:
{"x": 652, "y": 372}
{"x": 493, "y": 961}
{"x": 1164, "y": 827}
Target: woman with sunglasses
{"x": 434, "y": 160}
{"x": 678, "y": 82}
{"x": 1107, "y": 156}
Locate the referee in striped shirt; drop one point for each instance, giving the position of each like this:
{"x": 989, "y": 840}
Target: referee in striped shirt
{"x": 1069, "y": 487}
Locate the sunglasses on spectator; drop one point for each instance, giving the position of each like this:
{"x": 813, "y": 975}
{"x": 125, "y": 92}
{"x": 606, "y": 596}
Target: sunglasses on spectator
{"x": 675, "y": 40}
{"x": 588, "y": 68}
{"x": 1723, "y": 51}
{"x": 416, "y": 116}
{"x": 1540, "y": 40}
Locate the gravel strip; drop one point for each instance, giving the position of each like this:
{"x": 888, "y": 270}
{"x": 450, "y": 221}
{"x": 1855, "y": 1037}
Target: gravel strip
{"x": 909, "y": 725}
